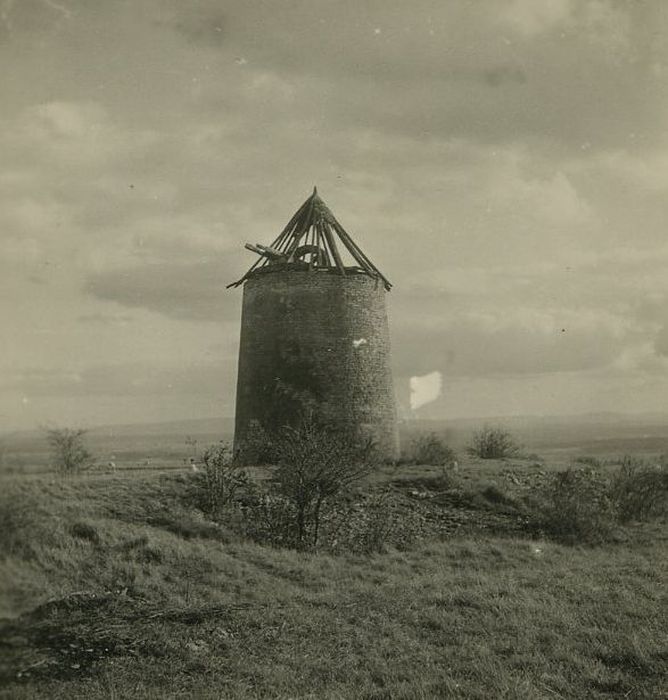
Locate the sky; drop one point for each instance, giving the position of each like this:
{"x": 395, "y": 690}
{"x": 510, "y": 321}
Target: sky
{"x": 503, "y": 162}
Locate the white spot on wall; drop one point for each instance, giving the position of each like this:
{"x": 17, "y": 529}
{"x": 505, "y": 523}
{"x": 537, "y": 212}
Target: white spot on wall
{"x": 360, "y": 341}
{"x": 425, "y": 389}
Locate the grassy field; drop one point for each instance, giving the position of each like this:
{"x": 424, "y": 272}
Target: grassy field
{"x": 117, "y": 586}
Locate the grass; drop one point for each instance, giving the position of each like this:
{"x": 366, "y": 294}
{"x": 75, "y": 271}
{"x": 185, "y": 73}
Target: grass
{"x": 116, "y": 587}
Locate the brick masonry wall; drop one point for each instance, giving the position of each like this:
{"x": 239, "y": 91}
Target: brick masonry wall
{"x": 318, "y": 339}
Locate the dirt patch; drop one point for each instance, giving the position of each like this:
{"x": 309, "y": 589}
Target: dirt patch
{"x": 454, "y": 510}
{"x": 67, "y": 637}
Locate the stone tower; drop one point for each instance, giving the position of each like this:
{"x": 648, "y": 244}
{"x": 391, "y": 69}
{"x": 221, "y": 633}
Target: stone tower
{"x": 314, "y": 333}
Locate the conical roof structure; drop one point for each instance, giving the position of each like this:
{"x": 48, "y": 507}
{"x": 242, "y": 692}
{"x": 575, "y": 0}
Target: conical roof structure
{"x": 313, "y": 240}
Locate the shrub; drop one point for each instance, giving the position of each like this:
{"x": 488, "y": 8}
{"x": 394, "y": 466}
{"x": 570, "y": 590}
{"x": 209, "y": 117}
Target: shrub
{"x": 368, "y": 524}
{"x": 375, "y": 527}
{"x": 352, "y": 523}
{"x": 68, "y": 451}
{"x": 493, "y": 443}
{"x": 269, "y": 519}
{"x": 640, "y": 490}
{"x": 223, "y": 479}
{"x": 576, "y": 506}
{"x": 257, "y": 447}
{"x": 430, "y": 449}
{"x": 315, "y": 465}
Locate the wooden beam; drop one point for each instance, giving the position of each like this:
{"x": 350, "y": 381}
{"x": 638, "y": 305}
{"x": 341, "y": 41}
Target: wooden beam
{"x": 303, "y": 225}
{"x": 320, "y": 231}
{"x": 277, "y": 243}
{"x": 267, "y": 251}
{"x": 323, "y": 240}
{"x": 332, "y": 246}
{"x": 359, "y": 255}
{"x": 351, "y": 248}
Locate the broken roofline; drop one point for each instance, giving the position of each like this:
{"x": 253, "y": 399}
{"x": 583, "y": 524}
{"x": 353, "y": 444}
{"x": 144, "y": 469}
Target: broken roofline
{"x": 312, "y": 232}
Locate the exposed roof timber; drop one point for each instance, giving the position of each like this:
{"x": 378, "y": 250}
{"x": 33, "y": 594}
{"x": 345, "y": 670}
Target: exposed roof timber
{"x": 313, "y": 232}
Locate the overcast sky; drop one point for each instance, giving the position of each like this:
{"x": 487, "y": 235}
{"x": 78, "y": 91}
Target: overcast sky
{"x": 503, "y": 162}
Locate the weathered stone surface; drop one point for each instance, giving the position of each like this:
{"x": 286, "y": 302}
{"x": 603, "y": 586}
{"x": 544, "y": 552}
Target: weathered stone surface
{"x": 317, "y": 338}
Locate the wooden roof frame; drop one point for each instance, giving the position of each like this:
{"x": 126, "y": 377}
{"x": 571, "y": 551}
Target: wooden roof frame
{"x": 313, "y": 232}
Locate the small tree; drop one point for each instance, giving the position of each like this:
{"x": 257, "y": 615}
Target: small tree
{"x": 68, "y": 450}
{"x": 316, "y": 464}
{"x": 493, "y": 443}
{"x": 223, "y": 478}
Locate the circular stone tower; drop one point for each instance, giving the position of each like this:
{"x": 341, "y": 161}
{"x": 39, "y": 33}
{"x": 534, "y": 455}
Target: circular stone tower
{"x": 314, "y": 336}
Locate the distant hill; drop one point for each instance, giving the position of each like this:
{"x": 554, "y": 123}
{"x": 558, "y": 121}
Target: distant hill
{"x": 167, "y": 444}
{"x": 191, "y": 426}
{"x": 590, "y": 433}
{"x": 173, "y": 443}
{"x": 196, "y": 426}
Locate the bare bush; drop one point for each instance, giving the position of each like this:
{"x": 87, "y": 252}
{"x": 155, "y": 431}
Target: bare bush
{"x": 314, "y": 465}
{"x": 640, "y": 490}
{"x": 223, "y": 479}
{"x": 430, "y": 449}
{"x": 269, "y": 519}
{"x": 69, "y": 454}
{"x": 493, "y": 443}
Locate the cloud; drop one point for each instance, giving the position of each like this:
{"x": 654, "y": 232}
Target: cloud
{"x": 20, "y": 16}
{"x": 552, "y": 200}
{"x": 505, "y": 168}
{"x": 532, "y": 18}
{"x": 73, "y": 133}
{"x": 556, "y": 71}
{"x": 182, "y": 291}
{"x": 121, "y": 380}
{"x": 105, "y": 319}
{"x": 205, "y": 26}
{"x": 500, "y": 75}
{"x": 519, "y": 343}
{"x": 661, "y": 341}
{"x": 60, "y": 119}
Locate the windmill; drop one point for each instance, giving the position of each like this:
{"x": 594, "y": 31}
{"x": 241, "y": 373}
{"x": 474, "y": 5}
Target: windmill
{"x": 314, "y": 335}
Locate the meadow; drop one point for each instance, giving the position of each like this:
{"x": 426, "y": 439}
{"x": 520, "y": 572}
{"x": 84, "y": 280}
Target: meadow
{"x": 118, "y": 584}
